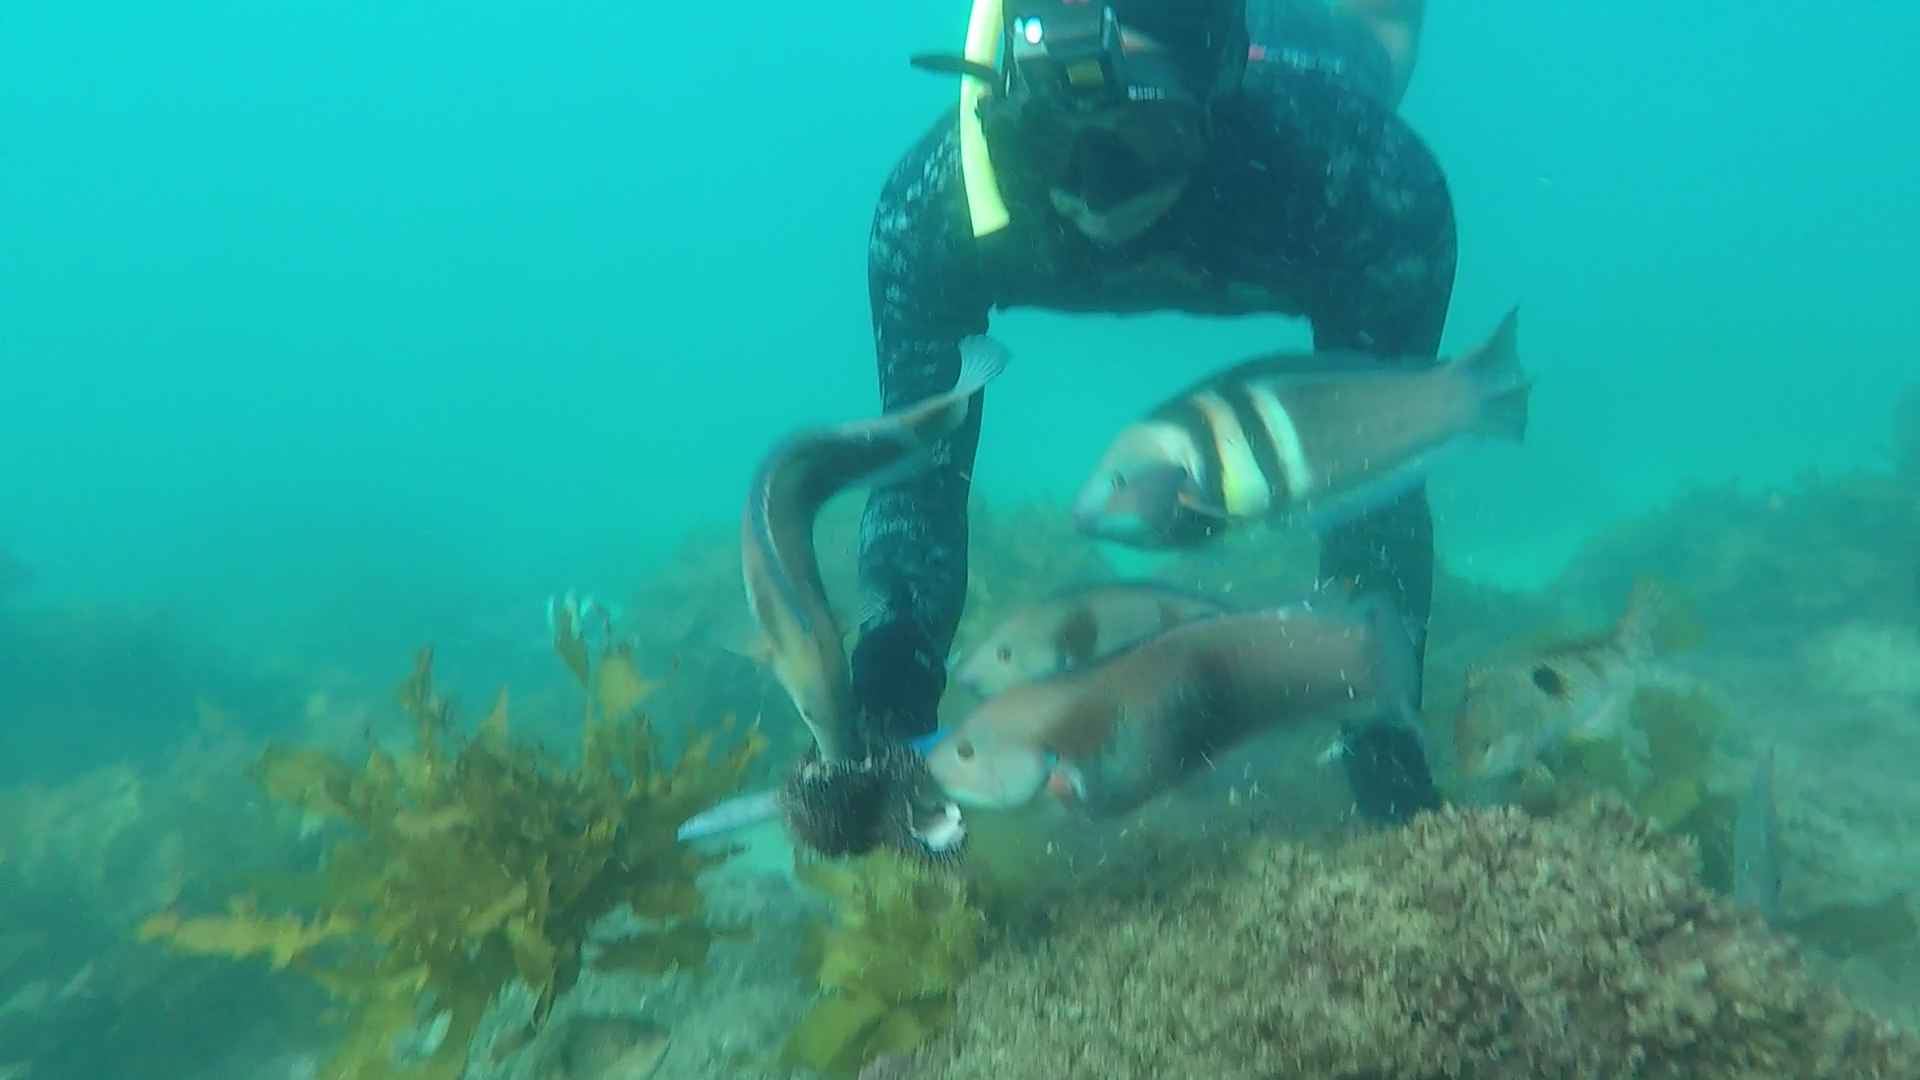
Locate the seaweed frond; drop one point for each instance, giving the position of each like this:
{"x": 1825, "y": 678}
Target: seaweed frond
{"x": 902, "y": 938}
{"x": 469, "y": 863}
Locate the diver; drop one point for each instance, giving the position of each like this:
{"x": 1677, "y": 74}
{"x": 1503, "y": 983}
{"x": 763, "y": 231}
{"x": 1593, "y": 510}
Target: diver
{"x": 1208, "y": 156}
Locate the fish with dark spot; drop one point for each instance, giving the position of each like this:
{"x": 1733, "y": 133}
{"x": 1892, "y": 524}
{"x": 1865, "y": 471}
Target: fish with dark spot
{"x": 1516, "y": 710}
{"x": 1108, "y": 737}
{"x": 1073, "y": 628}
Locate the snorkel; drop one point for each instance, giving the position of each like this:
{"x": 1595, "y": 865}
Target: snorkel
{"x": 985, "y": 207}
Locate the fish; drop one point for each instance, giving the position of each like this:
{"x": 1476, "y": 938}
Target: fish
{"x": 1514, "y": 711}
{"x": 803, "y": 641}
{"x": 1106, "y": 738}
{"x": 1756, "y": 845}
{"x": 1073, "y": 627}
{"x": 1316, "y": 438}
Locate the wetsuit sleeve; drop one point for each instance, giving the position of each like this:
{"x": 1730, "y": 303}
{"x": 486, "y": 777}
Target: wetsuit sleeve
{"x": 926, "y": 292}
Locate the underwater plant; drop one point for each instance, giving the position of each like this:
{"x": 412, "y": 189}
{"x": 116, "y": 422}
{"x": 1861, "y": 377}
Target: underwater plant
{"x": 902, "y": 938}
{"x": 471, "y": 862}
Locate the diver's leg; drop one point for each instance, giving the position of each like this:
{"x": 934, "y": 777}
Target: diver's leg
{"x": 913, "y": 567}
{"x": 925, "y": 293}
{"x": 1387, "y": 294}
{"x": 1390, "y": 552}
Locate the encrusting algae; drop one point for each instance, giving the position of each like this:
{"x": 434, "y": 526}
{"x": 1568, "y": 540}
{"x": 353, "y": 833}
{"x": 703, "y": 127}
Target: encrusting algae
{"x": 1476, "y": 945}
{"x": 474, "y": 862}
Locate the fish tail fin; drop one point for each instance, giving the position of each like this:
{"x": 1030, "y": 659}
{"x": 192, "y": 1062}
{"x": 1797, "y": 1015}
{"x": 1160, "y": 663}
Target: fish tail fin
{"x": 1504, "y": 386}
{"x": 736, "y": 813}
{"x": 1654, "y": 623}
{"x": 982, "y": 360}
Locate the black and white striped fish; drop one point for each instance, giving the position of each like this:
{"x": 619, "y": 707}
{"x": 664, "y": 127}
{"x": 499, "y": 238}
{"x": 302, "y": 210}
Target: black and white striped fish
{"x": 1321, "y": 437}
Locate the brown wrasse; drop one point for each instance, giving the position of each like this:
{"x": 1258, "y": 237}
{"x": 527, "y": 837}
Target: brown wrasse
{"x": 802, "y": 639}
{"x": 1108, "y": 737}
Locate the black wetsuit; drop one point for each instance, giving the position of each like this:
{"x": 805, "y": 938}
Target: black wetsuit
{"x": 1317, "y": 200}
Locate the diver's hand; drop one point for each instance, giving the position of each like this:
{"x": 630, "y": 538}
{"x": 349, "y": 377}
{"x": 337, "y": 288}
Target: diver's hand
{"x": 898, "y": 678}
{"x": 886, "y": 799}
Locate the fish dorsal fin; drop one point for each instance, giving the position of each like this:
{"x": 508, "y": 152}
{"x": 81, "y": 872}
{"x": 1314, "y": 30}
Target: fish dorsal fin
{"x": 1654, "y": 622}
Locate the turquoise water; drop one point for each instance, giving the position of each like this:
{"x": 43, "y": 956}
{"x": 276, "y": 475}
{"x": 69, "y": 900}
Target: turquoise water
{"x": 328, "y": 328}
{"x": 305, "y": 298}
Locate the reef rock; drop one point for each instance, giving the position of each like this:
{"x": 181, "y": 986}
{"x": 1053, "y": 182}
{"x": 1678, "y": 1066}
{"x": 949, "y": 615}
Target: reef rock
{"x": 1484, "y": 945}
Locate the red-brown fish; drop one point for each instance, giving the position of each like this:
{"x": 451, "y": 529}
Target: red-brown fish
{"x": 1111, "y": 736}
{"x": 1073, "y": 628}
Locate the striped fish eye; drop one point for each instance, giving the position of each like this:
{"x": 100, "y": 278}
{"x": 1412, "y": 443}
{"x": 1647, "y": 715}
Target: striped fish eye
{"x": 1004, "y": 653}
{"x": 963, "y": 750}
{"x": 1119, "y": 481}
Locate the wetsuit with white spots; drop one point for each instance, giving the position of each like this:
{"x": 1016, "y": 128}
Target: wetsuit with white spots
{"x": 1316, "y": 200}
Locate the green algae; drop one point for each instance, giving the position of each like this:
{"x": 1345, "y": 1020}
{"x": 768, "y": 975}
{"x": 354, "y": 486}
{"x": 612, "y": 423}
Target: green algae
{"x": 471, "y": 862}
{"x": 903, "y": 936}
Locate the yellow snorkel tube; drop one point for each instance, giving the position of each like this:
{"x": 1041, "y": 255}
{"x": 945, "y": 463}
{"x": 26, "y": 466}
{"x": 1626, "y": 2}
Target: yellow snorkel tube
{"x": 984, "y": 205}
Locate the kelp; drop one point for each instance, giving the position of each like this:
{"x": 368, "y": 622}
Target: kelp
{"x": 472, "y": 862}
{"x": 902, "y": 937}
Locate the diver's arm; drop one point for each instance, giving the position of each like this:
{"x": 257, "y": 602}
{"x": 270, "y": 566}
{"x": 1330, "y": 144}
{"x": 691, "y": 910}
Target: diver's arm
{"x": 1396, "y": 25}
{"x": 925, "y": 291}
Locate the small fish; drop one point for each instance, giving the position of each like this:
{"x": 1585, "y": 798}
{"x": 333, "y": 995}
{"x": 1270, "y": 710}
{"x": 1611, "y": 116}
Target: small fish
{"x": 1320, "y": 438}
{"x": 1756, "y": 845}
{"x": 1110, "y": 736}
{"x": 1514, "y": 711}
{"x": 804, "y": 642}
{"x": 1072, "y": 628}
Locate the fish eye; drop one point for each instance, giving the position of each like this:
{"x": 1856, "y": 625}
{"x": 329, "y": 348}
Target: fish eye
{"x": 963, "y": 750}
{"x": 1549, "y": 681}
{"x": 1119, "y": 481}
{"x": 1004, "y": 652}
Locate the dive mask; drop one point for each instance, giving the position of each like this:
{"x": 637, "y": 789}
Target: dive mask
{"x": 1081, "y": 100}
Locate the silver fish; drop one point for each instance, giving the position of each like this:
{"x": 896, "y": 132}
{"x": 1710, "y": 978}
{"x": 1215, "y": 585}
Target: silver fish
{"x": 1108, "y": 737}
{"x": 1756, "y": 845}
{"x": 1072, "y": 628}
{"x": 803, "y": 641}
{"x": 1320, "y": 438}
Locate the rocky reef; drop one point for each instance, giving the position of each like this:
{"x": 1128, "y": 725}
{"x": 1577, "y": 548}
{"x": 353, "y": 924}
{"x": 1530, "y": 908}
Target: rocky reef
{"x": 1479, "y": 944}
